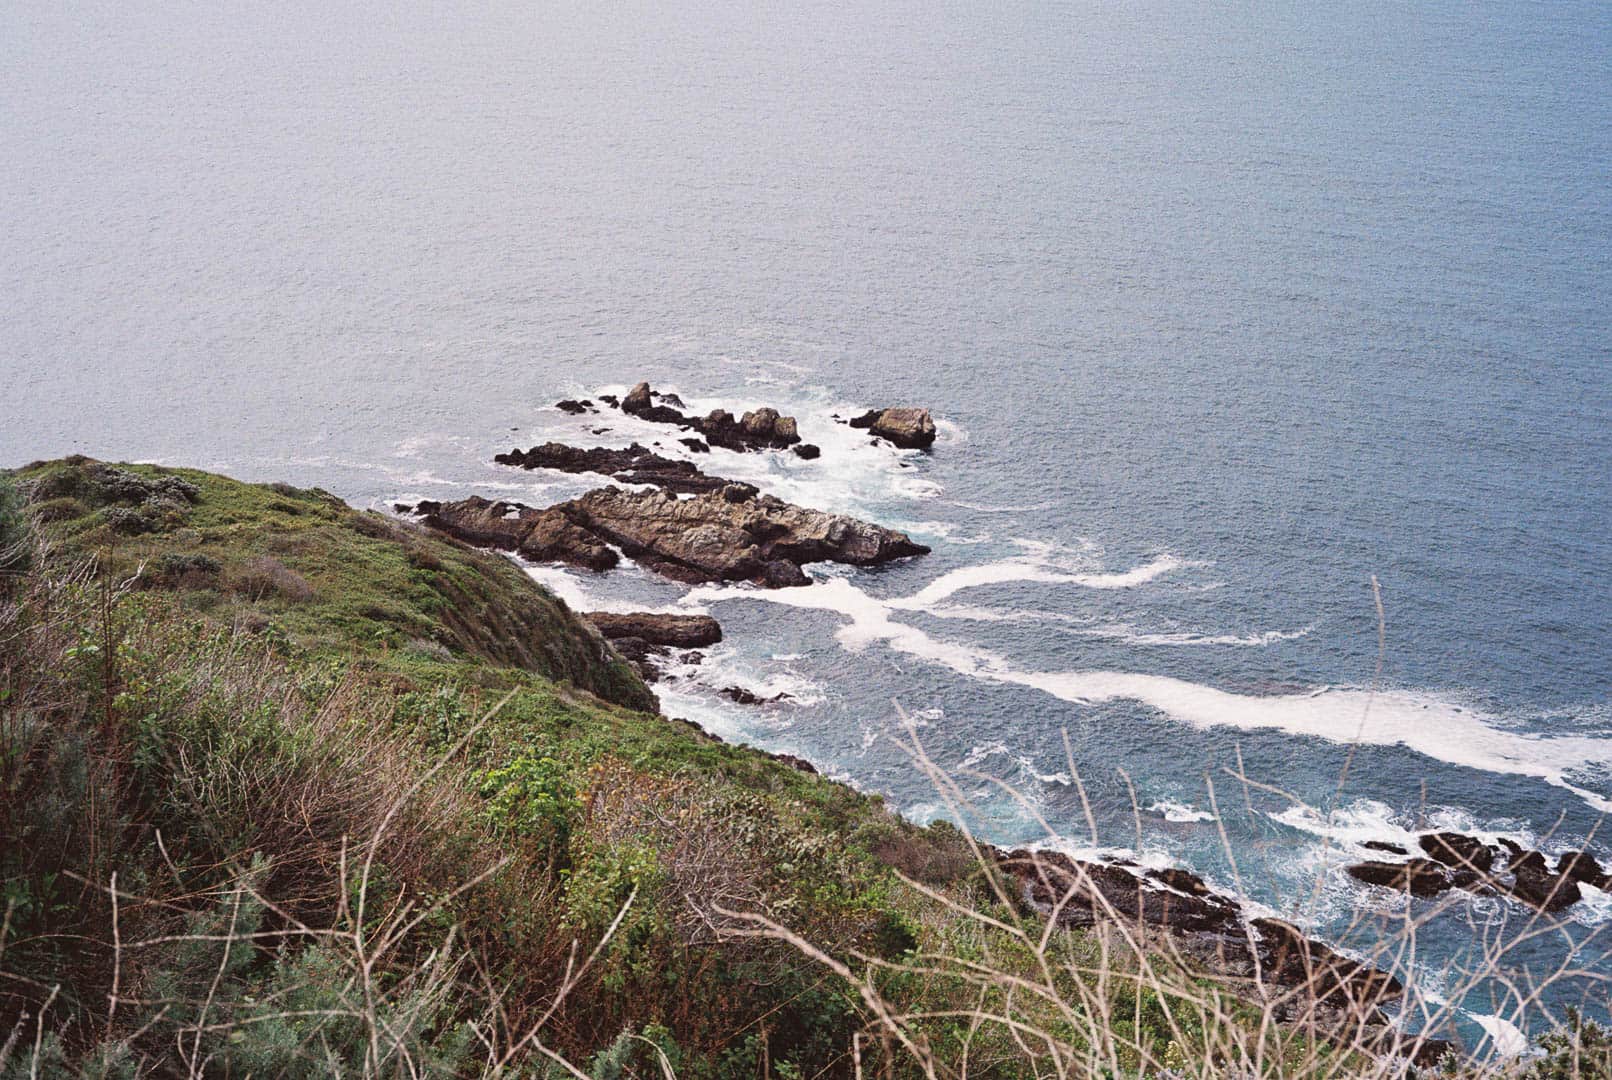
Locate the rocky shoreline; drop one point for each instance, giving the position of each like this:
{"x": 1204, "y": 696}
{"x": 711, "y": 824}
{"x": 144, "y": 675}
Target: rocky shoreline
{"x": 690, "y": 526}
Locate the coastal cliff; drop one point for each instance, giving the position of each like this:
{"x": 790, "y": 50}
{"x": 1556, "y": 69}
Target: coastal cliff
{"x": 306, "y": 745}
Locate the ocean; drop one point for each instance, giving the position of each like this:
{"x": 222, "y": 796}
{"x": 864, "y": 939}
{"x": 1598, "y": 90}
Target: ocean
{"x": 1227, "y": 312}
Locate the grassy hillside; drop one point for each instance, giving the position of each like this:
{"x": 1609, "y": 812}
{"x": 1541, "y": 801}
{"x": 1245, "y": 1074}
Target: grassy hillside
{"x": 292, "y": 790}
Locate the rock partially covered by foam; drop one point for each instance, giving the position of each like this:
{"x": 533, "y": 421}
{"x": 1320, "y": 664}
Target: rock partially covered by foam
{"x": 911, "y": 428}
{"x": 759, "y": 429}
{"x": 634, "y": 465}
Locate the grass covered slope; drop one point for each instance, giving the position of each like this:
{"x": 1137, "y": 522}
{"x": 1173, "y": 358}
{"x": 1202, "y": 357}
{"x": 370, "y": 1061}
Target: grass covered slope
{"x": 304, "y": 566}
{"x": 292, "y": 790}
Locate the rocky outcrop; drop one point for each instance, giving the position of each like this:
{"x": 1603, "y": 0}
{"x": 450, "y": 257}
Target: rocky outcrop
{"x": 739, "y": 695}
{"x": 1458, "y": 861}
{"x": 538, "y": 535}
{"x": 733, "y": 534}
{"x": 759, "y": 429}
{"x": 1299, "y": 974}
{"x": 634, "y": 465}
{"x": 1079, "y": 893}
{"x": 807, "y": 451}
{"x": 576, "y": 408}
{"x": 1420, "y": 877}
{"x": 676, "y": 631}
{"x": 913, "y": 429}
{"x": 1454, "y": 849}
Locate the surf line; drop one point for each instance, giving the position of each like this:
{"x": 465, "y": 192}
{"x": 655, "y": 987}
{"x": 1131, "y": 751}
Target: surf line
{"x": 1418, "y": 722}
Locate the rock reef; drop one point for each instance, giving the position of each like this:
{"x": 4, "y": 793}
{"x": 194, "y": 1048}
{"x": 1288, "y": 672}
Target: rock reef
{"x": 760, "y": 429}
{"x": 634, "y": 465}
{"x": 732, "y": 534}
{"x": 1457, "y": 861}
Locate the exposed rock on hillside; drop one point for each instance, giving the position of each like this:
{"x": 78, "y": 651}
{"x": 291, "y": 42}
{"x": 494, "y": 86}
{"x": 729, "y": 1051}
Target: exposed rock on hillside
{"x": 538, "y": 535}
{"x": 679, "y": 631}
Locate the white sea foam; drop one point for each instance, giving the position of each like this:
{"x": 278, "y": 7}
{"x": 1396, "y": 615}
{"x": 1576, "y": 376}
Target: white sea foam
{"x": 1506, "y": 1038}
{"x": 1419, "y": 722}
{"x": 1180, "y": 812}
{"x": 1030, "y": 569}
{"x": 1131, "y": 636}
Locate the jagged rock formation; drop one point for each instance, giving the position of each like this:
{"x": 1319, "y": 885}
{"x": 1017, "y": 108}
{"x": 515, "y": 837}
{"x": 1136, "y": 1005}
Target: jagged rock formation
{"x": 634, "y": 465}
{"x": 733, "y": 534}
{"x": 911, "y": 428}
{"x": 538, "y": 535}
{"x": 1458, "y": 861}
{"x": 1078, "y": 892}
{"x": 760, "y": 429}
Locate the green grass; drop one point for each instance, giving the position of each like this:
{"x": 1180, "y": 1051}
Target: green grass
{"x": 287, "y": 789}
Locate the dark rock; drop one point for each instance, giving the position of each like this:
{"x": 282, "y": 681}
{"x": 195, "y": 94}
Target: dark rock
{"x": 1528, "y": 862}
{"x": 913, "y": 429}
{"x": 678, "y": 631}
{"x": 1581, "y": 866}
{"x": 1181, "y": 881}
{"x": 637, "y": 399}
{"x": 794, "y": 762}
{"x": 807, "y": 451}
{"x": 671, "y": 399}
{"x": 1294, "y": 960}
{"x": 1422, "y": 877}
{"x": 610, "y": 400}
{"x": 634, "y": 465}
{"x": 1082, "y": 892}
{"x": 576, "y": 408}
{"x": 696, "y": 445}
{"x": 747, "y": 697}
{"x": 1454, "y": 849}
{"x": 1383, "y": 845}
{"x": 1547, "y": 892}
{"x": 760, "y": 429}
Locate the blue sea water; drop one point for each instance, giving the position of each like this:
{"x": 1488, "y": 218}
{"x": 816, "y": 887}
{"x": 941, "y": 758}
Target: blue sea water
{"x": 1227, "y": 311}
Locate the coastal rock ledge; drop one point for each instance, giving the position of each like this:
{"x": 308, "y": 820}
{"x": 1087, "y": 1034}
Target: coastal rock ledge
{"x": 733, "y": 534}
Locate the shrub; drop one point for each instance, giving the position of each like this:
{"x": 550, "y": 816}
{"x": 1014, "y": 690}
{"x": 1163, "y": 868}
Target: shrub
{"x": 15, "y": 548}
{"x": 264, "y": 576}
